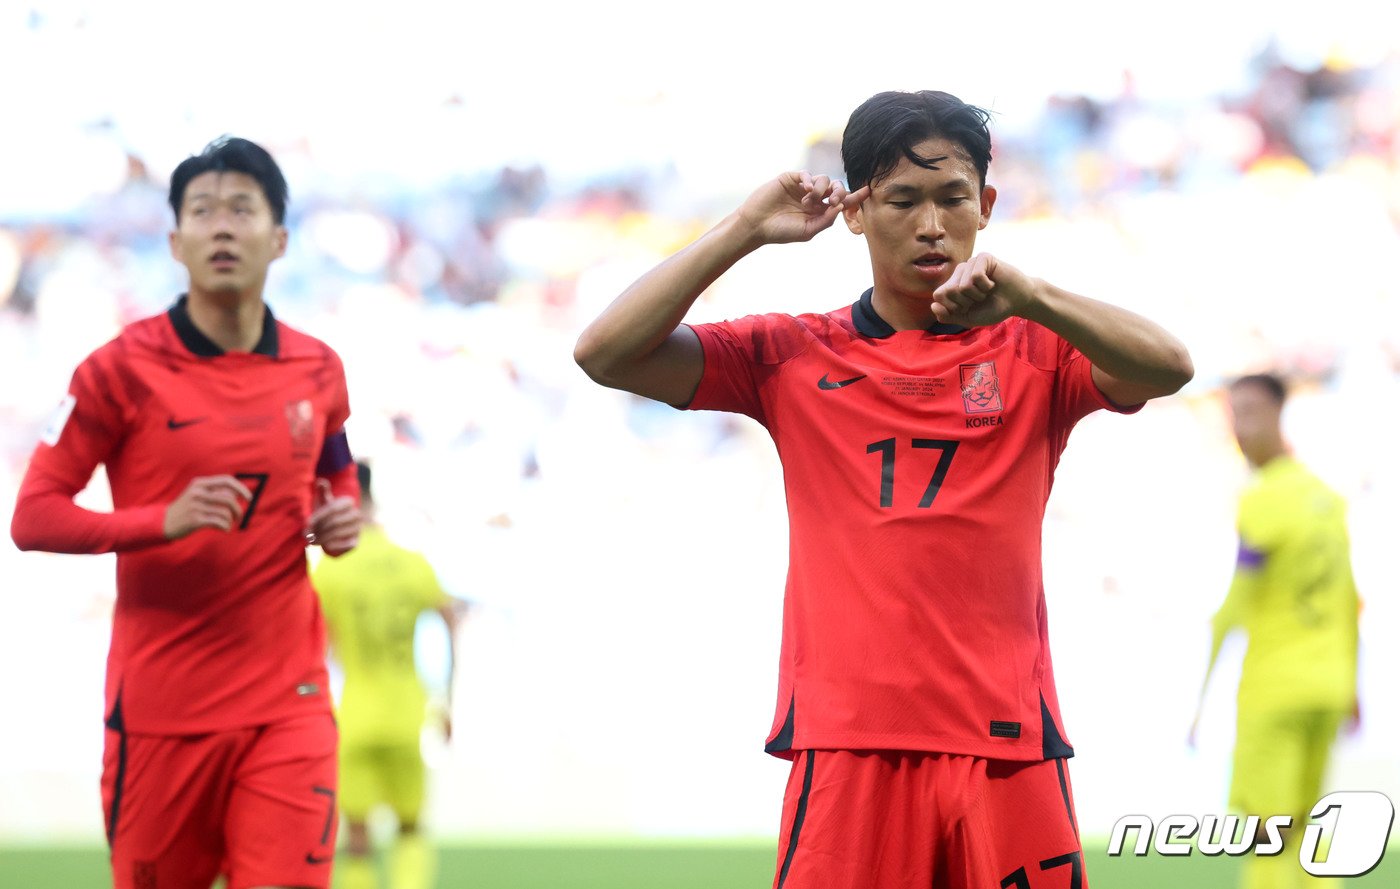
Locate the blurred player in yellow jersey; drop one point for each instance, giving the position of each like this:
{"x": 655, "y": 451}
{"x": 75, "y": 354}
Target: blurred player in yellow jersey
{"x": 1294, "y": 596}
{"x": 372, "y": 604}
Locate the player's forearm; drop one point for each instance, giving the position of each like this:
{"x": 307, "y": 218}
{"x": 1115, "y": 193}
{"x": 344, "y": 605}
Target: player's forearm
{"x": 1118, "y": 342}
{"x": 1218, "y": 632}
{"x": 1217, "y": 641}
{"x": 49, "y": 521}
{"x": 639, "y": 321}
{"x": 451, "y": 616}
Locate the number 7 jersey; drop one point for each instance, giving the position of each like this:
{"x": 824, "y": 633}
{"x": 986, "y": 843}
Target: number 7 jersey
{"x": 917, "y": 465}
{"x": 218, "y": 630}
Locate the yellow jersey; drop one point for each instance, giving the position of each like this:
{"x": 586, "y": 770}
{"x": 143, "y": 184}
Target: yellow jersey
{"x": 1293, "y": 593}
{"x": 372, "y": 597}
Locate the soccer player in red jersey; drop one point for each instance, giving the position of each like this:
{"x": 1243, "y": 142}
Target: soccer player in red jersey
{"x": 918, "y": 428}
{"x": 222, "y": 433}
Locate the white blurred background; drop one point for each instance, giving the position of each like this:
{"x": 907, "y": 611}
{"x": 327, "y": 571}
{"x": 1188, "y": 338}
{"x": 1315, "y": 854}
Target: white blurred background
{"x": 470, "y": 186}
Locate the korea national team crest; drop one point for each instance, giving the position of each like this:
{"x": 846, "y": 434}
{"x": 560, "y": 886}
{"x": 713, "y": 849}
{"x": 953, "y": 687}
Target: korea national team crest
{"x": 981, "y": 391}
{"x": 301, "y": 424}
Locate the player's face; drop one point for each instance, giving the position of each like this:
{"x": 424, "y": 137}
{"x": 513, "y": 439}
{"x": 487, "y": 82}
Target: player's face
{"x": 1254, "y": 418}
{"x": 919, "y": 223}
{"x": 226, "y": 235}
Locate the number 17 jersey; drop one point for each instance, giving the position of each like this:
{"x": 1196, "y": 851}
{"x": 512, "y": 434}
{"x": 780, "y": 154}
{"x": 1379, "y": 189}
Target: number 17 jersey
{"x": 917, "y": 465}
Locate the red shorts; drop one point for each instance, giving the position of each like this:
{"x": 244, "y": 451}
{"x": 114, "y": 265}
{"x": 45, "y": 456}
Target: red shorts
{"x": 891, "y": 820}
{"x": 256, "y": 804}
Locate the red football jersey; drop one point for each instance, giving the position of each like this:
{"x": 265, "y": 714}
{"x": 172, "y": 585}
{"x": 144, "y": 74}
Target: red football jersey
{"x": 218, "y": 630}
{"x": 917, "y": 465}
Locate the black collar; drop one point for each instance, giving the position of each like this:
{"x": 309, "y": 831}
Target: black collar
{"x": 869, "y": 323}
{"x": 204, "y": 347}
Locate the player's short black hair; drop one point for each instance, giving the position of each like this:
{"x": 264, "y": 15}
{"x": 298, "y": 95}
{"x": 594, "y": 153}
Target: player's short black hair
{"x": 888, "y": 126}
{"x": 365, "y": 475}
{"x": 232, "y": 154}
{"x": 1272, "y": 384}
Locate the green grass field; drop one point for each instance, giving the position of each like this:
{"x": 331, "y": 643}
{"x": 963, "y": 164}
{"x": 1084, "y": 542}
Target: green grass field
{"x": 658, "y": 865}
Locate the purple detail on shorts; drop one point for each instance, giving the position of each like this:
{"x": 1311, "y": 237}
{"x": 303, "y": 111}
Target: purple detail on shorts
{"x": 1249, "y": 558}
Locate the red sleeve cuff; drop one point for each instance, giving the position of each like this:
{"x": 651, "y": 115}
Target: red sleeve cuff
{"x": 142, "y": 526}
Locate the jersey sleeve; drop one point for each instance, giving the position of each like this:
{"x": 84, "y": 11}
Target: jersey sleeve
{"x": 1238, "y": 599}
{"x": 1262, "y": 523}
{"x": 738, "y": 355}
{"x": 1076, "y": 393}
{"x": 85, "y": 431}
{"x": 339, "y": 410}
{"x": 1259, "y": 527}
{"x": 336, "y": 463}
{"x": 345, "y": 481}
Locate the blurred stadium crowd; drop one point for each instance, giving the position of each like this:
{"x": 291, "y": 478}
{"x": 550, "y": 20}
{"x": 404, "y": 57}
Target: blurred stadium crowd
{"x": 430, "y": 290}
{"x": 1259, "y": 226}
{"x": 456, "y": 302}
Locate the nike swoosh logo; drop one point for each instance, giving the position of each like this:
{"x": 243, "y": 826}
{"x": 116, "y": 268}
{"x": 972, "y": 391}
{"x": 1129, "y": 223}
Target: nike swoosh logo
{"x": 824, "y": 383}
{"x": 173, "y": 423}
{"x": 312, "y": 859}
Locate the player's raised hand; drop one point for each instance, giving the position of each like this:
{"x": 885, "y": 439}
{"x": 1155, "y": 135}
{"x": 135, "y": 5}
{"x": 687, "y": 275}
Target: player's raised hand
{"x": 796, "y": 206}
{"x": 334, "y": 525}
{"x": 211, "y": 501}
{"x": 981, "y": 291}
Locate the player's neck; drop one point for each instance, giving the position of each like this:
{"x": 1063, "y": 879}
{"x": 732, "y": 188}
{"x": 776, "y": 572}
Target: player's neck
{"x": 902, "y": 312}
{"x": 233, "y": 322}
{"x": 1267, "y": 453}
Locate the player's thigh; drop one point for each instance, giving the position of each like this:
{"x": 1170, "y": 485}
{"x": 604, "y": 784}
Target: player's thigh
{"x": 1269, "y": 763}
{"x": 853, "y": 820}
{"x": 1023, "y": 833}
{"x": 283, "y": 811}
{"x": 163, "y": 799}
{"x": 404, "y": 780}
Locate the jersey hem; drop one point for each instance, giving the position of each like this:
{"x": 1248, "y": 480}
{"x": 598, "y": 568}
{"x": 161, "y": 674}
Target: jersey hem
{"x": 1021, "y": 751}
{"x": 204, "y": 728}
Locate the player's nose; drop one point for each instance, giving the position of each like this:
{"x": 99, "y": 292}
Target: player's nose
{"x": 929, "y": 223}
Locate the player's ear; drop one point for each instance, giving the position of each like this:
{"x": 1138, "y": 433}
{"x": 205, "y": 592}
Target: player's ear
{"x": 989, "y": 198}
{"x": 279, "y": 242}
{"x": 854, "y": 220}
